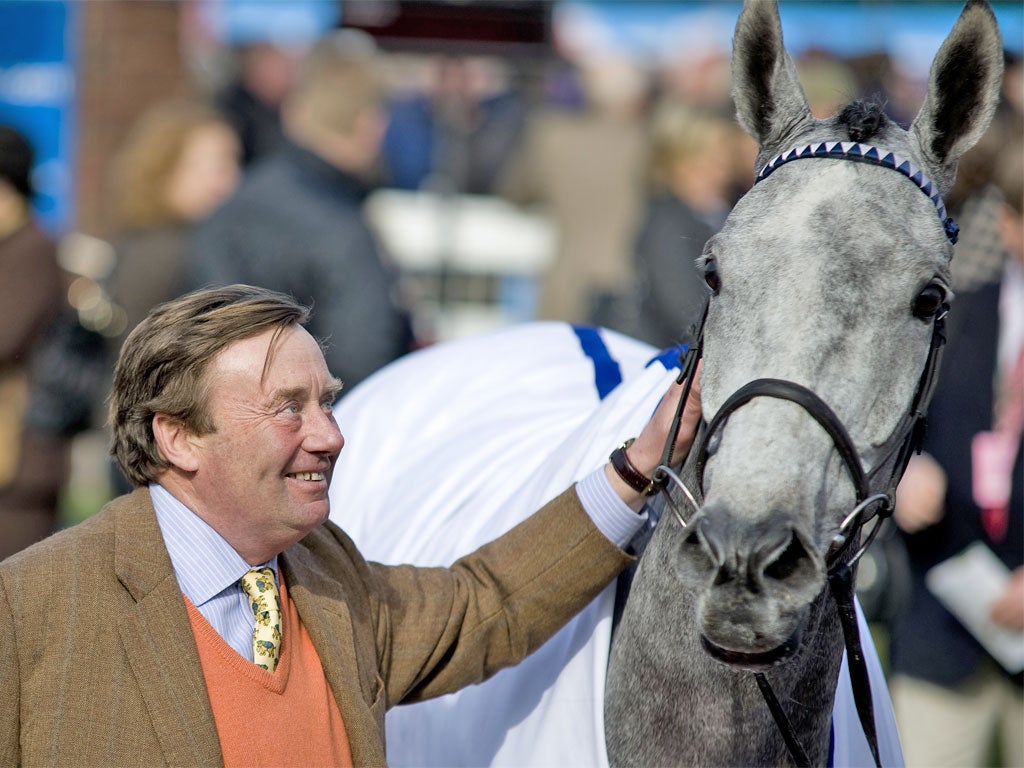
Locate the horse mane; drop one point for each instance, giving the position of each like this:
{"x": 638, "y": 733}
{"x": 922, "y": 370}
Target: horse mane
{"x": 863, "y": 119}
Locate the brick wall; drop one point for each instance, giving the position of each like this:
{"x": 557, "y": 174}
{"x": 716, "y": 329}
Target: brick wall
{"x": 130, "y": 58}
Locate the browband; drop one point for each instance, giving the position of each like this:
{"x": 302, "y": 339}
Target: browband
{"x": 867, "y": 153}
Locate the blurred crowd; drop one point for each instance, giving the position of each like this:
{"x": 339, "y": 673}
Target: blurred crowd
{"x": 265, "y": 181}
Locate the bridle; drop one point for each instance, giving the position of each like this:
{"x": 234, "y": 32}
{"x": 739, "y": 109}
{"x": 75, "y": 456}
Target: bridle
{"x": 896, "y": 453}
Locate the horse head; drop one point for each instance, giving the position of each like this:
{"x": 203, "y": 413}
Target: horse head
{"x": 829, "y": 276}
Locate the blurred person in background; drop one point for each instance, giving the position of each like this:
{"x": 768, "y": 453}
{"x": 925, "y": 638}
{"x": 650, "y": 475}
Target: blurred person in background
{"x": 178, "y": 163}
{"x": 33, "y": 467}
{"x": 691, "y": 180}
{"x": 582, "y": 159}
{"x": 296, "y": 222}
{"x": 251, "y": 101}
{"x": 456, "y": 133}
{"x": 952, "y": 698}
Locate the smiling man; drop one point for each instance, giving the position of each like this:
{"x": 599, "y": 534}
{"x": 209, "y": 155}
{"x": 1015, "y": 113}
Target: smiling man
{"x": 214, "y": 617}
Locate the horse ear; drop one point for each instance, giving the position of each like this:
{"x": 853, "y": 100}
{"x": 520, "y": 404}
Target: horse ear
{"x": 770, "y": 103}
{"x": 963, "y": 91}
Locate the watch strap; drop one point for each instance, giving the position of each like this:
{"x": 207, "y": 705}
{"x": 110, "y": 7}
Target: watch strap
{"x": 630, "y": 475}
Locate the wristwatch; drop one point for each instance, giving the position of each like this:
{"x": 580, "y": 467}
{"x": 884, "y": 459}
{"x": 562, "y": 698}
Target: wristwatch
{"x": 630, "y": 475}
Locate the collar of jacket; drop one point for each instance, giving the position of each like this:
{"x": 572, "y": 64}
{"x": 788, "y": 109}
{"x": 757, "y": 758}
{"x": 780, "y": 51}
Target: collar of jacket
{"x": 315, "y": 167}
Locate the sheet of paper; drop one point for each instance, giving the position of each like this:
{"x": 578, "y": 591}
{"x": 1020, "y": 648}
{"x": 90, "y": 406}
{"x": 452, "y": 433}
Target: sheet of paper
{"x": 967, "y": 584}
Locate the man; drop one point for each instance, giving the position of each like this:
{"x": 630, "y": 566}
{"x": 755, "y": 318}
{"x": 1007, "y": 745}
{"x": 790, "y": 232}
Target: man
{"x": 134, "y": 638}
{"x": 296, "y": 223}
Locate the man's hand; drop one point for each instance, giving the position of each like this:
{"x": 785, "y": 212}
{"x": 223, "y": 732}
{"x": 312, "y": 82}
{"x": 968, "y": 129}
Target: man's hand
{"x": 645, "y": 452}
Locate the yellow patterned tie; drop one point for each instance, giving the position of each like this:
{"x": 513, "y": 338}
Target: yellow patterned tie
{"x": 265, "y": 603}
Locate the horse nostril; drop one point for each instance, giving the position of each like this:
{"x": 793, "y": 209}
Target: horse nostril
{"x": 792, "y": 559}
{"x": 723, "y": 576}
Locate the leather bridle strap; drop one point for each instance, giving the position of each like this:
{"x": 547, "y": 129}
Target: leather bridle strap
{"x": 796, "y": 749}
{"x": 840, "y": 582}
{"x": 840, "y": 575}
{"x": 866, "y": 153}
{"x": 913, "y": 423}
{"x": 806, "y": 399}
{"x": 694, "y": 353}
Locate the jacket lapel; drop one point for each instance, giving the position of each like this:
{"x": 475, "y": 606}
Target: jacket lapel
{"x": 158, "y": 641}
{"x": 321, "y": 603}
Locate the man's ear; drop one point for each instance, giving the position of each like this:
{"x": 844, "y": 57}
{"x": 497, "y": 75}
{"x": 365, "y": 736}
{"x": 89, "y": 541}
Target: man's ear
{"x": 176, "y": 443}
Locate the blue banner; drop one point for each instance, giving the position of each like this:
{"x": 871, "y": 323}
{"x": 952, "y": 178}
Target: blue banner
{"x": 38, "y": 58}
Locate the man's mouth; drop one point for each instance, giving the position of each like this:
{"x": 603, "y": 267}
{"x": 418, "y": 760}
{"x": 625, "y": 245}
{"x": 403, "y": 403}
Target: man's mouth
{"x": 311, "y": 476}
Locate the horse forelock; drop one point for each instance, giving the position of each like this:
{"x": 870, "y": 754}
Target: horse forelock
{"x": 863, "y": 119}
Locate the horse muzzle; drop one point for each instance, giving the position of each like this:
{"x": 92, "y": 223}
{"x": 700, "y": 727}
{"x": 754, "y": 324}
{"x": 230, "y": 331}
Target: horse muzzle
{"x": 754, "y": 581}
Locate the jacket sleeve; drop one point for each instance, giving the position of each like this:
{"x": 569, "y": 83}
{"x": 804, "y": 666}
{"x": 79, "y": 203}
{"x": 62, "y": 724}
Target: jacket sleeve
{"x": 439, "y": 630}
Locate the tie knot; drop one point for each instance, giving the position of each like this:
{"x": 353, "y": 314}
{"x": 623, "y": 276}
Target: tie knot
{"x": 265, "y": 603}
{"x": 257, "y": 582}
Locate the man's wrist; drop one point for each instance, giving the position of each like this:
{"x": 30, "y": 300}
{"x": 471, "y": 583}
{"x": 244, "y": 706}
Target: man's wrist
{"x": 604, "y": 502}
{"x": 637, "y": 480}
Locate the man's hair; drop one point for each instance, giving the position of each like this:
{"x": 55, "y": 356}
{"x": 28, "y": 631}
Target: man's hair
{"x": 338, "y": 81}
{"x": 16, "y": 160}
{"x": 162, "y": 365}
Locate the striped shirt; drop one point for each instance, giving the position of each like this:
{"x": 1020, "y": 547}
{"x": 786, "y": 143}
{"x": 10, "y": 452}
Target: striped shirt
{"x": 208, "y": 569}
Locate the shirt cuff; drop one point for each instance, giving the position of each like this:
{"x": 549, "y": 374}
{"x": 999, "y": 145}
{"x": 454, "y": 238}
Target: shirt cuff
{"x": 613, "y": 517}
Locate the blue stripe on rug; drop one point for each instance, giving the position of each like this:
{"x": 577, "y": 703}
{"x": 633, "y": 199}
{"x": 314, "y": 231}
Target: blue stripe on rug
{"x": 670, "y": 358}
{"x": 607, "y": 374}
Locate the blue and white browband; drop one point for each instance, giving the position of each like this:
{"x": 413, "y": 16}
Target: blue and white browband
{"x": 866, "y": 153}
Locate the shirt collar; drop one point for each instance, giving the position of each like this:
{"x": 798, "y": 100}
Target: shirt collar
{"x": 204, "y": 563}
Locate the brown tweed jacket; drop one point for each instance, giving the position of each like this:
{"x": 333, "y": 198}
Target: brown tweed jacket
{"x": 98, "y": 666}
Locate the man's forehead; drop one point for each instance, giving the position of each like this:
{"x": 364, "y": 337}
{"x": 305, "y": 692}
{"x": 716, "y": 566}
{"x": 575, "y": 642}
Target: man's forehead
{"x": 272, "y": 352}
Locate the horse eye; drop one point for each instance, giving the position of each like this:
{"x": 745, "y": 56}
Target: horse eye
{"x": 711, "y": 276}
{"x": 929, "y": 301}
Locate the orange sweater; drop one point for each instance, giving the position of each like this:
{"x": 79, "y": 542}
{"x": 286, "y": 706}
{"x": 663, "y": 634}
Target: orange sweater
{"x": 293, "y": 706}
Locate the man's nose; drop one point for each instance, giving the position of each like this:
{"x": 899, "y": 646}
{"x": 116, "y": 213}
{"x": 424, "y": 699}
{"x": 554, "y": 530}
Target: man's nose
{"x": 324, "y": 435}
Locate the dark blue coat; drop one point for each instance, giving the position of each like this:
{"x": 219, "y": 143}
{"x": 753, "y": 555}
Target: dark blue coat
{"x": 296, "y": 225}
{"x": 927, "y": 641}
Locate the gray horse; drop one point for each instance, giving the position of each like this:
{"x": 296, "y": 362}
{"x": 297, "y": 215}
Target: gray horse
{"x": 829, "y": 273}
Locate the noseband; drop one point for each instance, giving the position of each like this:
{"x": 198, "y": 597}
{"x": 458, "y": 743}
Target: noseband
{"x": 902, "y": 443}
